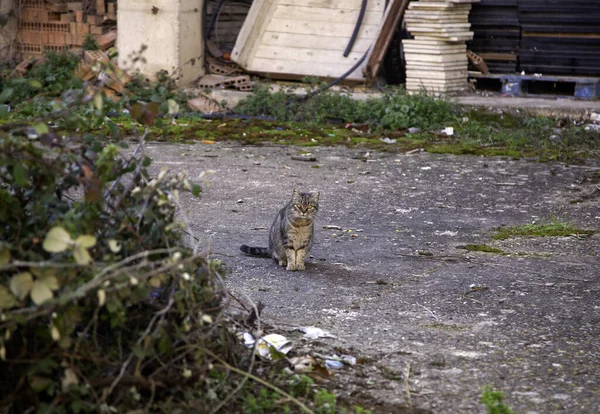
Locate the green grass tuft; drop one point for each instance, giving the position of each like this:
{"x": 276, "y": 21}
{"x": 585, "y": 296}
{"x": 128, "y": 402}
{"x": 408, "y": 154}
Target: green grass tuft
{"x": 494, "y": 401}
{"x": 482, "y": 248}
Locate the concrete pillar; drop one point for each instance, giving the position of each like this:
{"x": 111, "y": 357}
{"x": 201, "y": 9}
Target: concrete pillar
{"x": 171, "y": 31}
{"x": 8, "y": 29}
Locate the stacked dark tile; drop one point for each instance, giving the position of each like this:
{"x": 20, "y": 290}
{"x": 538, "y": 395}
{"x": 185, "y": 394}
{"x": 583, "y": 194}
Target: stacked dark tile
{"x": 560, "y": 37}
{"x": 497, "y": 34}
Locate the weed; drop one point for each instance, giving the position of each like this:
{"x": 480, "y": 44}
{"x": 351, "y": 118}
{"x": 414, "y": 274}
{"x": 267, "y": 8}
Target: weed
{"x": 494, "y": 401}
{"x": 325, "y": 402}
{"x": 89, "y": 43}
{"x": 50, "y": 78}
{"x": 265, "y": 402}
{"x": 395, "y": 109}
{"x": 163, "y": 89}
{"x": 555, "y": 228}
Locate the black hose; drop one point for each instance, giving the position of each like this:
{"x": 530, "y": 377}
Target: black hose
{"x": 213, "y": 18}
{"x": 361, "y": 16}
{"x": 337, "y": 80}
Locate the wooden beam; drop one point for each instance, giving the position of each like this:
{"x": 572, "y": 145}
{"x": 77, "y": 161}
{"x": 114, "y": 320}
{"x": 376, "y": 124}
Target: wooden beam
{"x": 392, "y": 18}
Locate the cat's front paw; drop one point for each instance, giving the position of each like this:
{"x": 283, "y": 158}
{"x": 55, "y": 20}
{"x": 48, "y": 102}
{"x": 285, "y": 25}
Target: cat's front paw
{"x": 300, "y": 266}
{"x": 291, "y": 267}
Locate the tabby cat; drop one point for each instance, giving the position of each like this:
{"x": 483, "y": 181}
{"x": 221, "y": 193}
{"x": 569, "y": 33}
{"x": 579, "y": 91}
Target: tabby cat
{"x": 291, "y": 234}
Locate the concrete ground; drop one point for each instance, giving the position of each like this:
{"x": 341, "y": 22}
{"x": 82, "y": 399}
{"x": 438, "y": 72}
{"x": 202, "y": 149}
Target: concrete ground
{"x": 430, "y": 322}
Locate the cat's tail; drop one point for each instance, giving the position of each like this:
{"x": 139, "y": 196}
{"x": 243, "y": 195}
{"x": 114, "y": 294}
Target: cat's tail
{"x": 255, "y": 251}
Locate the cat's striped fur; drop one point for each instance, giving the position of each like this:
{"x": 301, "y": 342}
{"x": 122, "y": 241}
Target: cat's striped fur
{"x": 291, "y": 234}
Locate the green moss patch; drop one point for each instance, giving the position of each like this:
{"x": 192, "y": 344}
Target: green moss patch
{"x": 482, "y": 248}
{"x": 553, "y": 229}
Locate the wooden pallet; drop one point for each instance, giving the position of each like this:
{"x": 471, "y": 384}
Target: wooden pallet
{"x": 526, "y": 85}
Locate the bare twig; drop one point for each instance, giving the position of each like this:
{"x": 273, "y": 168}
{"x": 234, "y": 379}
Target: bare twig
{"x": 407, "y": 389}
{"x": 428, "y": 310}
{"x": 278, "y": 390}
{"x": 139, "y": 146}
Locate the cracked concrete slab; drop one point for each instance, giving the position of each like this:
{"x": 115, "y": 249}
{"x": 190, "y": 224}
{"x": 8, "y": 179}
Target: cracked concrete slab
{"x": 430, "y": 322}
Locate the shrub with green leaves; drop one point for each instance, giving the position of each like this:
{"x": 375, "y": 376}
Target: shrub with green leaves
{"x": 101, "y": 306}
{"x": 51, "y": 77}
{"x": 393, "y": 110}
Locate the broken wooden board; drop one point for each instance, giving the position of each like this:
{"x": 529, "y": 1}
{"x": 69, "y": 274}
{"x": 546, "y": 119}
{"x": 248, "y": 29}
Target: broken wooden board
{"x": 392, "y": 18}
{"x": 292, "y": 39}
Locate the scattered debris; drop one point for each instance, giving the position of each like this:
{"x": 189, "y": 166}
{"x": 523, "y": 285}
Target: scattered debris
{"x": 331, "y": 227}
{"x": 334, "y": 364}
{"x": 241, "y": 83}
{"x": 414, "y": 130}
{"x": 477, "y": 62}
{"x": 205, "y": 104}
{"x": 267, "y": 344}
{"x": 304, "y": 158}
{"x": 219, "y": 67}
{"x": 386, "y": 140}
{"x": 303, "y": 364}
{"x": 448, "y": 131}
{"x": 311, "y": 366}
{"x": 311, "y": 332}
{"x": 415, "y": 151}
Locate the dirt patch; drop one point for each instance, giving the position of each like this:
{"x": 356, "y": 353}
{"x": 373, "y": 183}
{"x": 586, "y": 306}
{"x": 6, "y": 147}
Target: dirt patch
{"x": 430, "y": 322}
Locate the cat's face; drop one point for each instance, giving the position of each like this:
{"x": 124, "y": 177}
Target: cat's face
{"x": 305, "y": 205}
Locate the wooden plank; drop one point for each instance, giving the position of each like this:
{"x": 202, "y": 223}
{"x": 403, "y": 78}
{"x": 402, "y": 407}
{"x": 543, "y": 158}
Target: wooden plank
{"x": 421, "y": 5}
{"x": 450, "y": 82}
{"x": 435, "y": 66}
{"x": 392, "y": 18}
{"x": 449, "y": 38}
{"x": 435, "y": 75}
{"x": 258, "y": 16}
{"x": 442, "y": 27}
{"x": 440, "y": 21}
{"x": 499, "y": 56}
{"x": 320, "y": 28}
{"x": 328, "y": 15}
{"x": 454, "y": 57}
{"x": 377, "y": 5}
{"x": 302, "y": 54}
{"x": 314, "y": 41}
{"x": 435, "y": 52}
{"x": 291, "y": 39}
{"x": 428, "y": 42}
{"x": 277, "y": 66}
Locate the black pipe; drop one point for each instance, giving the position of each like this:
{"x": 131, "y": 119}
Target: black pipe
{"x": 213, "y": 18}
{"x": 361, "y": 16}
{"x": 337, "y": 80}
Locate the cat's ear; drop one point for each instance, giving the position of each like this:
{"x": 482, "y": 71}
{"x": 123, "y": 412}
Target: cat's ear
{"x": 315, "y": 196}
{"x": 296, "y": 194}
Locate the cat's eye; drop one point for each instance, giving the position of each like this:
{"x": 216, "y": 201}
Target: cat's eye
{"x": 310, "y": 207}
